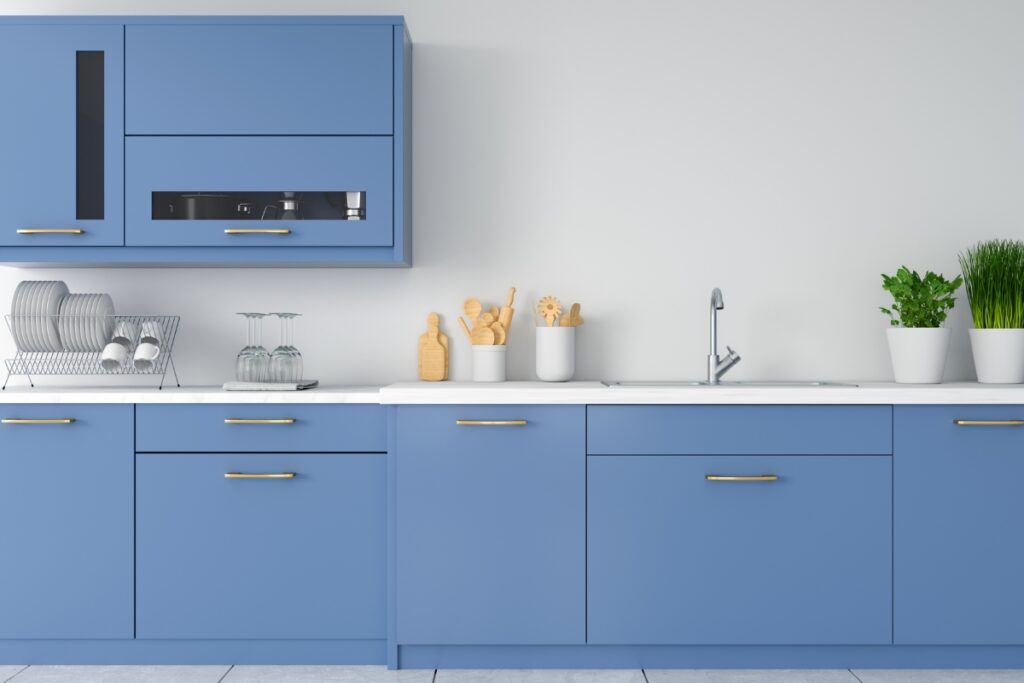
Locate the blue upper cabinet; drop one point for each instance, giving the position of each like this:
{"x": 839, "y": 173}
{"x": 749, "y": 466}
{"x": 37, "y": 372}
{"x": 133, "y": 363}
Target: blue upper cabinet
{"x": 221, "y": 140}
{"x": 259, "y": 80}
{"x": 61, "y": 136}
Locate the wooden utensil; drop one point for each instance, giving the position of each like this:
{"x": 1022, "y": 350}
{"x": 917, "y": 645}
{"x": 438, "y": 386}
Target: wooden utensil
{"x": 433, "y": 352}
{"x": 549, "y": 308}
{"x": 494, "y": 312}
{"x": 505, "y": 315}
{"x": 465, "y": 328}
{"x": 572, "y": 318}
{"x": 499, "y": 333}
{"x": 483, "y": 336}
{"x": 472, "y": 307}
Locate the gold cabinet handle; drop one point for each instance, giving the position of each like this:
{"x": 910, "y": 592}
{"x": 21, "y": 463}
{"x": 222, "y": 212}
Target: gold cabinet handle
{"x": 259, "y": 475}
{"x": 51, "y": 231}
{"x": 44, "y": 421}
{"x": 257, "y": 231}
{"x": 989, "y": 423}
{"x": 246, "y": 421}
{"x": 747, "y": 477}
{"x": 490, "y": 423}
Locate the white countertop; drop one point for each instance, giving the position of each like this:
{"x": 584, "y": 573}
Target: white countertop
{"x": 540, "y": 392}
{"x": 327, "y": 394}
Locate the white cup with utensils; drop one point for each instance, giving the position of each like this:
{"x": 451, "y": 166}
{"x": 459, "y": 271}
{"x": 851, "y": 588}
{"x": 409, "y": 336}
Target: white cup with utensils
{"x": 556, "y": 353}
{"x": 125, "y": 334}
{"x": 114, "y": 356}
{"x": 152, "y": 333}
{"x": 489, "y": 363}
{"x": 145, "y": 356}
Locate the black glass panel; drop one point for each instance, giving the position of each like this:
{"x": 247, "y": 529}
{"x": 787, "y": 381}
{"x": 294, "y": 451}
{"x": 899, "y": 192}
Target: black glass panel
{"x": 89, "y": 136}
{"x": 210, "y": 205}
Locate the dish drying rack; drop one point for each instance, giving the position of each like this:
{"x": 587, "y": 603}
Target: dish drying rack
{"x": 68, "y": 363}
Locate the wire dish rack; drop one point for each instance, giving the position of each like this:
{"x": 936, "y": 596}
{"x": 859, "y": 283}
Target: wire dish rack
{"x": 53, "y": 331}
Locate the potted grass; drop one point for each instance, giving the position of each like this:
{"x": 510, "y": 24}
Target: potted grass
{"x": 918, "y": 343}
{"x": 994, "y": 273}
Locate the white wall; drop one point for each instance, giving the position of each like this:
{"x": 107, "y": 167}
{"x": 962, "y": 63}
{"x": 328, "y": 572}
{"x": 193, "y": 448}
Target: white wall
{"x": 631, "y": 156}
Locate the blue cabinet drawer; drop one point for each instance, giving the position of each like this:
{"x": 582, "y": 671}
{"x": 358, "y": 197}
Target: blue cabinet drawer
{"x": 673, "y": 558}
{"x": 261, "y": 428}
{"x": 66, "y": 521}
{"x": 739, "y": 430}
{"x": 958, "y": 508}
{"x": 237, "y": 79}
{"x": 318, "y": 169}
{"x": 299, "y": 557}
{"x": 490, "y": 525}
{"x": 62, "y": 135}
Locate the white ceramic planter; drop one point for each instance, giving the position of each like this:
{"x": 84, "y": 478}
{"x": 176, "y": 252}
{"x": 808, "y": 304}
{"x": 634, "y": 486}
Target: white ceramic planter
{"x": 489, "y": 363}
{"x": 918, "y": 354}
{"x": 998, "y": 355}
{"x": 556, "y": 353}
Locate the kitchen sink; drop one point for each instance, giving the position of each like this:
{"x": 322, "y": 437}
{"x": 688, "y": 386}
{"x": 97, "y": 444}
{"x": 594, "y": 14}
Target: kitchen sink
{"x": 670, "y": 384}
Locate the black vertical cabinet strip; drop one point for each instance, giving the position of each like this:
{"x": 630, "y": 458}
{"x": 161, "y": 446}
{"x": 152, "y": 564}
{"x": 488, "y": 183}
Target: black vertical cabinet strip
{"x": 89, "y": 135}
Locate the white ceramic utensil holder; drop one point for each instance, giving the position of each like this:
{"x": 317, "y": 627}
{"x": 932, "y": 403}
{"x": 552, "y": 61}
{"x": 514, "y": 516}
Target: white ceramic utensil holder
{"x": 556, "y": 353}
{"x": 489, "y": 363}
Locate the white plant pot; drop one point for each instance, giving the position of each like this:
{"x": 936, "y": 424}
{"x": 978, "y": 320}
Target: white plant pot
{"x": 556, "y": 353}
{"x": 918, "y": 354}
{"x": 489, "y": 363}
{"x": 998, "y": 355}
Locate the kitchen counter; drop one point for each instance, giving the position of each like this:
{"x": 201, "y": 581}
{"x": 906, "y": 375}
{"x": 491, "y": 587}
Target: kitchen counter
{"x": 47, "y": 394}
{"x": 865, "y": 393}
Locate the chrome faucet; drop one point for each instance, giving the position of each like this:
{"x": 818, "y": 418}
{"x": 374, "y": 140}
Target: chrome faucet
{"x": 718, "y": 367}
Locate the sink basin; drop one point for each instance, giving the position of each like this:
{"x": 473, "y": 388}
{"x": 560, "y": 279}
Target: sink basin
{"x": 654, "y": 385}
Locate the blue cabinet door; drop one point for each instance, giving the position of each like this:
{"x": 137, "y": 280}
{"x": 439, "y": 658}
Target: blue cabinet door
{"x": 66, "y": 521}
{"x": 300, "y": 557}
{"x": 490, "y": 525}
{"x": 237, "y": 79}
{"x": 958, "y": 510}
{"x": 675, "y": 558}
{"x": 61, "y": 135}
{"x": 311, "y": 166}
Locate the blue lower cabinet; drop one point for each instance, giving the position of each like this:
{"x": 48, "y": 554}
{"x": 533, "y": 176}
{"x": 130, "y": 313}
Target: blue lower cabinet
{"x": 490, "y": 525}
{"x": 959, "y": 562}
{"x": 66, "y": 533}
{"x": 676, "y": 558}
{"x": 261, "y": 554}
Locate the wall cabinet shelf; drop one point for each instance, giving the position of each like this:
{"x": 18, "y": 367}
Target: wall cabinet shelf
{"x": 206, "y": 141}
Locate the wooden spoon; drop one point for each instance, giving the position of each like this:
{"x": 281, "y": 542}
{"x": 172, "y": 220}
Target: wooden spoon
{"x": 499, "y": 334}
{"x": 472, "y": 308}
{"x": 483, "y": 336}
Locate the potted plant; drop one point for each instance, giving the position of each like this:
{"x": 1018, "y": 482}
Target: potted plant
{"x": 918, "y": 342}
{"x": 994, "y": 273}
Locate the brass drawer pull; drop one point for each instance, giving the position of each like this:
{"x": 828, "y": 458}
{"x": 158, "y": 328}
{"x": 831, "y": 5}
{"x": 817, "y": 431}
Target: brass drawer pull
{"x": 51, "y": 231}
{"x": 490, "y": 423}
{"x": 748, "y": 477}
{"x": 989, "y": 423}
{"x": 257, "y": 231}
{"x": 245, "y": 421}
{"x": 253, "y": 475}
{"x": 44, "y": 421}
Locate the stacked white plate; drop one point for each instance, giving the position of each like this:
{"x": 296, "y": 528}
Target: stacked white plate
{"x": 34, "y": 310}
{"x": 86, "y": 321}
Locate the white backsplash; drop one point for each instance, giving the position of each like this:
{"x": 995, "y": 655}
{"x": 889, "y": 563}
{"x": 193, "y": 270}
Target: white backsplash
{"x": 633, "y": 156}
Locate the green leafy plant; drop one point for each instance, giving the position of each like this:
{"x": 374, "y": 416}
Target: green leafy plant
{"x": 919, "y": 302}
{"x": 994, "y": 273}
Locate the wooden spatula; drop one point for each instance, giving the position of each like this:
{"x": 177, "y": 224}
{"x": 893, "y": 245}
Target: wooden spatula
{"x": 483, "y": 336}
{"x": 549, "y": 308}
{"x": 499, "y": 333}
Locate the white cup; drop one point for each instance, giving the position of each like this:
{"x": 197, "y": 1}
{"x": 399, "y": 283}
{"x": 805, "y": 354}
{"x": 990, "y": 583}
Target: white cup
{"x": 556, "y": 353}
{"x": 145, "y": 356}
{"x": 125, "y": 333}
{"x": 489, "y": 363}
{"x": 152, "y": 333}
{"x": 114, "y": 356}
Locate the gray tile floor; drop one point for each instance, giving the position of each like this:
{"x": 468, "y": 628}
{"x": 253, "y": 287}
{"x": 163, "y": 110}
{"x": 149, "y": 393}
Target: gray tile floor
{"x": 378, "y": 674}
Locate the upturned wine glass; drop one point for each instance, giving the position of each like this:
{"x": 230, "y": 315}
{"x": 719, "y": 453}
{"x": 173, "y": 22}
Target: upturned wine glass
{"x": 286, "y": 361}
{"x": 253, "y": 362}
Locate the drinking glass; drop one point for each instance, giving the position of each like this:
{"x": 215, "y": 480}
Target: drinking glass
{"x": 253, "y": 362}
{"x": 286, "y": 361}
